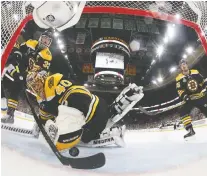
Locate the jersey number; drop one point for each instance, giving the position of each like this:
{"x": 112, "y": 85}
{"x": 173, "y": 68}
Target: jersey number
{"x": 46, "y": 64}
{"x": 61, "y": 87}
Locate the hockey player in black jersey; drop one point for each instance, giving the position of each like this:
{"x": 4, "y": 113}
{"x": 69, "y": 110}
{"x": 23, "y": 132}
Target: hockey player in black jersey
{"x": 191, "y": 87}
{"x": 22, "y": 59}
{"x": 71, "y": 113}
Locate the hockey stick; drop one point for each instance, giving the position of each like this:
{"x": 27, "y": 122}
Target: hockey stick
{"x": 147, "y": 112}
{"x": 91, "y": 162}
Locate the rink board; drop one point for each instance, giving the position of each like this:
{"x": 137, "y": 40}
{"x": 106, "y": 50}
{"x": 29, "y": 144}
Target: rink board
{"x": 26, "y": 122}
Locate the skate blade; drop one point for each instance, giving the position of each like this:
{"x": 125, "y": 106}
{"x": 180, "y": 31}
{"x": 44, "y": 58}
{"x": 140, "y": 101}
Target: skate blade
{"x": 192, "y": 138}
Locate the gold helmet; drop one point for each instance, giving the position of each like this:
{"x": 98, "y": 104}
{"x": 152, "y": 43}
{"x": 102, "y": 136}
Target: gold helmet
{"x": 35, "y": 82}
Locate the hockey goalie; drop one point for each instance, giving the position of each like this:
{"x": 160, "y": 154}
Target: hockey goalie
{"x": 72, "y": 115}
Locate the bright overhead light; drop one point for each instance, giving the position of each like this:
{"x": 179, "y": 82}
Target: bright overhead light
{"x": 134, "y": 45}
{"x": 177, "y": 16}
{"x": 59, "y": 41}
{"x": 160, "y": 50}
{"x": 173, "y": 69}
{"x": 154, "y": 81}
{"x": 85, "y": 84}
{"x": 184, "y": 56}
{"x": 165, "y": 39}
{"x": 153, "y": 61}
{"x": 66, "y": 56}
{"x": 115, "y": 87}
{"x": 16, "y": 17}
{"x": 61, "y": 46}
{"x": 94, "y": 85}
{"x": 170, "y": 31}
{"x": 189, "y": 50}
{"x": 56, "y": 34}
{"x": 160, "y": 79}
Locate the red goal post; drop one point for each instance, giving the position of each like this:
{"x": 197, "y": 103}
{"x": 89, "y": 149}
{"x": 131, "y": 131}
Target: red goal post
{"x": 10, "y": 42}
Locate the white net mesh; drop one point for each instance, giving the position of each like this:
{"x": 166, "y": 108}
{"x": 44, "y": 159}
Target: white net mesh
{"x": 13, "y": 12}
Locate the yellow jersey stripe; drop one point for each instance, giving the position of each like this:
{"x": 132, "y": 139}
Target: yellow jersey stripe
{"x": 12, "y": 106}
{"x": 185, "y": 118}
{"x": 13, "y": 101}
{"x": 46, "y": 118}
{"x": 62, "y": 146}
{"x": 75, "y": 90}
{"x": 12, "y": 73}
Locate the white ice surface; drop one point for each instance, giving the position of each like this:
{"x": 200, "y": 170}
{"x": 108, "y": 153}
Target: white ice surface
{"x": 146, "y": 153}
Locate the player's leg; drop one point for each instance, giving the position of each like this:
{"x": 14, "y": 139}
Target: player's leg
{"x": 14, "y": 88}
{"x": 3, "y": 100}
{"x": 93, "y": 129}
{"x": 186, "y": 118}
{"x": 126, "y": 100}
{"x": 96, "y": 125}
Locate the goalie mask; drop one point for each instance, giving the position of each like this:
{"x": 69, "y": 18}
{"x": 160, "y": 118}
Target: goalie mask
{"x": 35, "y": 83}
{"x": 45, "y": 39}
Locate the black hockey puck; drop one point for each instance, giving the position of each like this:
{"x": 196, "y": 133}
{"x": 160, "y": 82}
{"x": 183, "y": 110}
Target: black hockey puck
{"x": 74, "y": 151}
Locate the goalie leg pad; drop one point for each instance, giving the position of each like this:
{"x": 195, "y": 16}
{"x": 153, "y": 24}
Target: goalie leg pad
{"x": 103, "y": 142}
{"x": 126, "y": 100}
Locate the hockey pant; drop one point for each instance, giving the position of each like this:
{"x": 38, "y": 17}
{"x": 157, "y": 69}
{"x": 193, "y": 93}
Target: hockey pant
{"x": 97, "y": 124}
{"x": 13, "y": 88}
{"x": 188, "y": 106}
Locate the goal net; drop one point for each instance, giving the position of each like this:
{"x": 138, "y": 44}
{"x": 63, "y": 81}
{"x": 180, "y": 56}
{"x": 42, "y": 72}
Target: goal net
{"x": 16, "y": 14}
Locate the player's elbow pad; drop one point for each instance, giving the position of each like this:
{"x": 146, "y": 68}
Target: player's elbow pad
{"x": 16, "y": 57}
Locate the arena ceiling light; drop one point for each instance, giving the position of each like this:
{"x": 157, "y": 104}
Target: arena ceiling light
{"x": 153, "y": 62}
{"x": 184, "y": 56}
{"x": 59, "y": 41}
{"x": 165, "y": 39}
{"x": 56, "y": 34}
{"x": 173, "y": 69}
{"x": 66, "y": 56}
{"x": 170, "y": 31}
{"x": 160, "y": 79}
{"x": 189, "y": 50}
{"x": 134, "y": 45}
{"x": 61, "y": 46}
{"x": 86, "y": 85}
{"x": 154, "y": 81}
{"x": 160, "y": 50}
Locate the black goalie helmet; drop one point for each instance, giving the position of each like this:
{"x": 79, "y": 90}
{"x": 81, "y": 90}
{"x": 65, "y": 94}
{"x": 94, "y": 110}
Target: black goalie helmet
{"x": 45, "y": 39}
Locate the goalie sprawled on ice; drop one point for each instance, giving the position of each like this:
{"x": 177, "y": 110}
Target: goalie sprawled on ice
{"x": 72, "y": 115}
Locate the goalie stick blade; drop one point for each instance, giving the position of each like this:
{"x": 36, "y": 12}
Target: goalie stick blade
{"x": 90, "y": 162}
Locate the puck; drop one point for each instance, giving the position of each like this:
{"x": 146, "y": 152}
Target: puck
{"x": 74, "y": 151}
